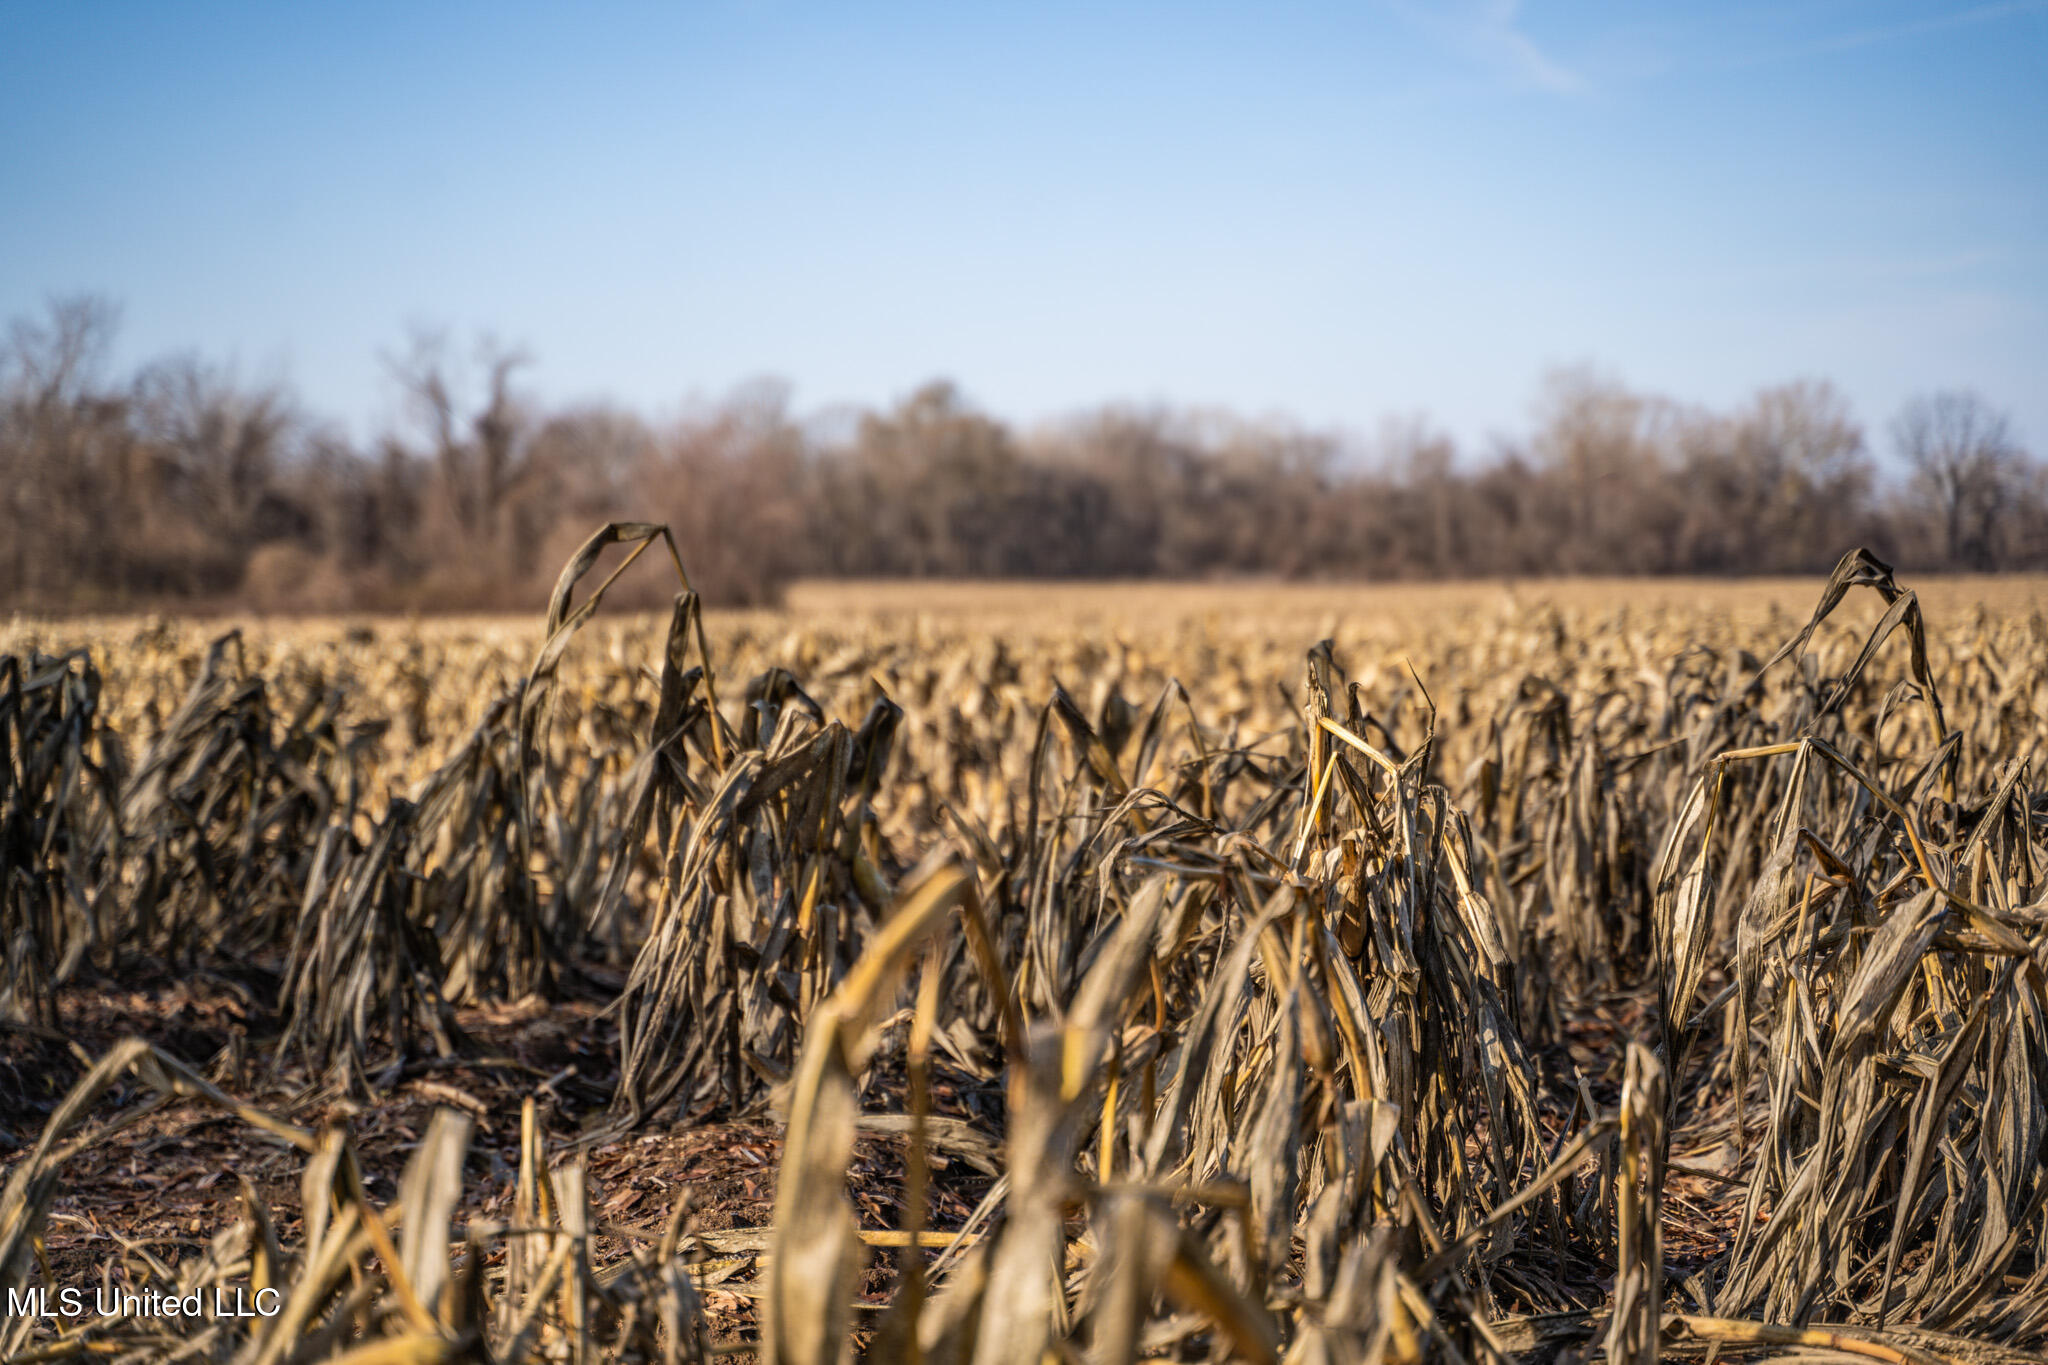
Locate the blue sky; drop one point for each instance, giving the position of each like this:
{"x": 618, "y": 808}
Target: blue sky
{"x": 1337, "y": 212}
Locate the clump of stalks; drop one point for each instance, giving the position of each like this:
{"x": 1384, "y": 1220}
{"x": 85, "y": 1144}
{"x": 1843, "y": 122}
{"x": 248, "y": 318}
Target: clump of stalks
{"x": 1299, "y": 1029}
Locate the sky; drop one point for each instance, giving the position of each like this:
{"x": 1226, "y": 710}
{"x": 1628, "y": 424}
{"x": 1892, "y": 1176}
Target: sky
{"x": 1339, "y": 213}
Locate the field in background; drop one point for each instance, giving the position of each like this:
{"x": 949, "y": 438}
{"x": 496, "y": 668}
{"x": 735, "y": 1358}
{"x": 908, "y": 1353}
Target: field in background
{"x": 1278, "y": 614}
{"x": 1295, "y": 615}
{"x": 1253, "y": 605}
{"x": 1182, "y": 987}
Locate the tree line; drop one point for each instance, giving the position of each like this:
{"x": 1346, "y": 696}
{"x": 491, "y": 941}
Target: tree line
{"x": 179, "y": 485}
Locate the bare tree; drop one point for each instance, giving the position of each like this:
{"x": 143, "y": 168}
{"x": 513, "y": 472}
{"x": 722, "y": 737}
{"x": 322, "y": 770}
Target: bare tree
{"x": 1423, "y": 529}
{"x": 62, "y": 439}
{"x": 1606, "y": 452}
{"x": 219, "y": 444}
{"x": 1964, "y": 459}
{"x": 1780, "y": 486}
{"x": 57, "y": 359}
{"x": 481, "y": 514}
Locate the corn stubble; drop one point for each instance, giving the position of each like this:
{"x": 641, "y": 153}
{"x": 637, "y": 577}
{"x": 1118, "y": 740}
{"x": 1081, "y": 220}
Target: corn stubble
{"x": 1284, "y": 1002}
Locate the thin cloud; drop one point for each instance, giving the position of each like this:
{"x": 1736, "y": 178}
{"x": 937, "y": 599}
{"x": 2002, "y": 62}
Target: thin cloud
{"x": 1489, "y": 33}
{"x": 1870, "y": 37}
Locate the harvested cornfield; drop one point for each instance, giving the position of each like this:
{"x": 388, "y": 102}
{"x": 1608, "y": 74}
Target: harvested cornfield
{"x": 1525, "y": 977}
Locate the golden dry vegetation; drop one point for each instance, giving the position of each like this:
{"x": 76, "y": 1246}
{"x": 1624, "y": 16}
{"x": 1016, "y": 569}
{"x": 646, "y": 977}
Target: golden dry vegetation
{"x": 1005, "y": 972}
